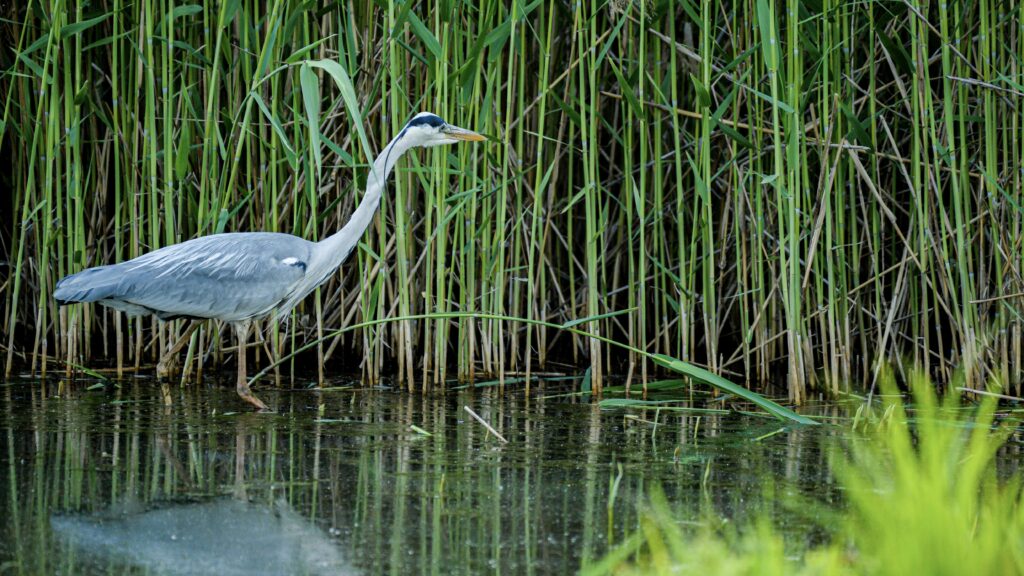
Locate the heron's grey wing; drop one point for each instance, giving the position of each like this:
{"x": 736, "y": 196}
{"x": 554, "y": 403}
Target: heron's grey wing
{"x": 224, "y": 276}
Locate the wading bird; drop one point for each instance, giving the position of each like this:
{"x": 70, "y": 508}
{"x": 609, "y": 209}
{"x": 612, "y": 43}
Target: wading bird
{"x": 240, "y": 277}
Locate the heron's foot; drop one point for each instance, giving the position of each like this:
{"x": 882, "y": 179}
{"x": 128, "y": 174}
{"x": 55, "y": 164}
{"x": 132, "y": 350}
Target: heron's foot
{"x": 246, "y": 394}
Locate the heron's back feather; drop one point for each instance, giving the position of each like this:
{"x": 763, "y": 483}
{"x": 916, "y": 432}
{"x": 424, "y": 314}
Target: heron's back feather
{"x": 229, "y": 277}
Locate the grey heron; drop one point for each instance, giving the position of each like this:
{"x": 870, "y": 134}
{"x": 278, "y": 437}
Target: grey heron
{"x": 243, "y": 276}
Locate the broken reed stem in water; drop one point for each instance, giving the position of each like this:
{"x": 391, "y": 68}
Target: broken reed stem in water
{"x": 485, "y": 424}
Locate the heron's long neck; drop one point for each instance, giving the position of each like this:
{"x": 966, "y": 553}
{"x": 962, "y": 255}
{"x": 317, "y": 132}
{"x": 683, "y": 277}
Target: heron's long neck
{"x": 335, "y": 248}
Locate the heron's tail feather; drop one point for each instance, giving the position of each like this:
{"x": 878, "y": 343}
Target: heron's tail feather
{"x": 89, "y": 285}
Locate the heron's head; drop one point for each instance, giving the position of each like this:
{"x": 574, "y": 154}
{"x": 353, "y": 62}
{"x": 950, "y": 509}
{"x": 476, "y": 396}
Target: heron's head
{"x": 427, "y": 129}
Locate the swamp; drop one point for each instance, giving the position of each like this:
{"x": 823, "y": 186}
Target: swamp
{"x": 511, "y": 287}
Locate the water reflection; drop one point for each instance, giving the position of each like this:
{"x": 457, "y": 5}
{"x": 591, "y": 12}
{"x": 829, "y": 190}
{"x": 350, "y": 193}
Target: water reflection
{"x": 348, "y": 468}
{"x": 223, "y": 536}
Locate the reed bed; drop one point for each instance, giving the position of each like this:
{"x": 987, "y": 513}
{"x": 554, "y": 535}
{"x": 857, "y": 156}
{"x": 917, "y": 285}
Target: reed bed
{"x": 770, "y": 188}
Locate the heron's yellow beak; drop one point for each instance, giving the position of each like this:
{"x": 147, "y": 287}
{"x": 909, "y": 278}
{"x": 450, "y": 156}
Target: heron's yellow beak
{"x": 463, "y": 134}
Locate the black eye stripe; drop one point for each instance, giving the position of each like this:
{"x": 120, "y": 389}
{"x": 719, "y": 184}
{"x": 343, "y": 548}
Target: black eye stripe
{"x": 427, "y": 120}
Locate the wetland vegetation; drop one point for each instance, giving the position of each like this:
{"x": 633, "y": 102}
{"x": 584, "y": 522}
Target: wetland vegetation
{"x": 769, "y": 188}
{"x": 779, "y": 198}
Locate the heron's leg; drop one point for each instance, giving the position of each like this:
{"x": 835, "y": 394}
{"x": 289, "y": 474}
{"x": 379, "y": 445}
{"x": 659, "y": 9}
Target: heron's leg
{"x": 242, "y": 333}
{"x": 169, "y": 358}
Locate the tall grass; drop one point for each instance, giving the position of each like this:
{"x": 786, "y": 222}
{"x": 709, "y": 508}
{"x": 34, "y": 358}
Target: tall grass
{"x": 924, "y": 497}
{"x": 767, "y": 187}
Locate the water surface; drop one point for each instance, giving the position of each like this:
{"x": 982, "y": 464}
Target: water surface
{"x": 113, "y": 480}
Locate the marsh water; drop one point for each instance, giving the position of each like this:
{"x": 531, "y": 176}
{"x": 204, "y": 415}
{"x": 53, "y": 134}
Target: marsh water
{"x": 99, "y": 479}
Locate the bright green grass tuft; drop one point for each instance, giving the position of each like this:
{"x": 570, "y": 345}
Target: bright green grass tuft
{"x": 923, "y": 497}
